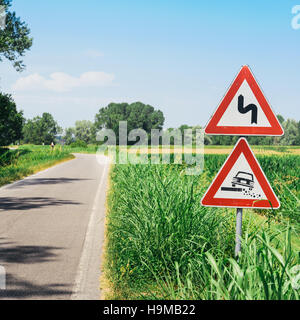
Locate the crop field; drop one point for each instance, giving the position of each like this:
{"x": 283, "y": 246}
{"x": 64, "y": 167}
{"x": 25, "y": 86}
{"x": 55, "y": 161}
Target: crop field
{"x": 162, "y": 244}
{"x": 18, "y": 163}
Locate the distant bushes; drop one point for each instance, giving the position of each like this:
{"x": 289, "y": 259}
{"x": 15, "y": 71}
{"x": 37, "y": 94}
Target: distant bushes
{"x": 78, "y": 144}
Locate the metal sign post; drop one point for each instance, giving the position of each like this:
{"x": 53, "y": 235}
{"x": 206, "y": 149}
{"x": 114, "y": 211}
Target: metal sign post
{"x": 239, "y": 221}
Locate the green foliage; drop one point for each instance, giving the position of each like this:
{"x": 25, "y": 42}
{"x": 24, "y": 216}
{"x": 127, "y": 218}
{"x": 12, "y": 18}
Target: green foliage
{"x": 11, "y": 121}
{"x": 69, "y": 136}
{"x": 162, "y": 244}
{"x": 137, "y": 115}
{"x": 6, "y": 157}
{"x": 78, "y": 144}
{"x": 16, "y": 164}
{"x": 41, "y": 130}
{"x": 291, "y": 136}
{"x": 292, "y": 133}
{"x": 89, "y": 149}
{"x": 14, "y": 38}
{"x": 266, "y": 270}
{"x": 84, "y": 131}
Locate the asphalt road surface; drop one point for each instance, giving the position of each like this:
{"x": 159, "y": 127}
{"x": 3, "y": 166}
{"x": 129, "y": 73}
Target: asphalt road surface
{"x": 52, "y": 230}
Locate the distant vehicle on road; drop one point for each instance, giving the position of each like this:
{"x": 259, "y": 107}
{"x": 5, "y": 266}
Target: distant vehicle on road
{"x": 244, "y": 179}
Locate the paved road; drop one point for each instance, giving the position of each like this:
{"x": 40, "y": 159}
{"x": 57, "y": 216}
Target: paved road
{"x": 51, "y": 231}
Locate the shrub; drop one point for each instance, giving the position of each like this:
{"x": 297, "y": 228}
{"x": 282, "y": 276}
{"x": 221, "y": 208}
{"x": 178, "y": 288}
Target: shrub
{"x": 78, "y": 144}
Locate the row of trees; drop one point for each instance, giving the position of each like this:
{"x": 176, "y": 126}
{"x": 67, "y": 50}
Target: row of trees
{"x": 137, "y": 115}
{"x": 143, "y": 116}
{"x": 44, "y": 129}
{"x": 291, "y": 135}
{"x": 15, "y": 129}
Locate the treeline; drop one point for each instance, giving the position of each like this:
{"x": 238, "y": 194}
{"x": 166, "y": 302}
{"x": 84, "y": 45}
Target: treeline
{"x": 137, "y": 115}
{"x": 291, "y": 135}
{"x": 44, "y": 129}
{"x": 15, "y": 129}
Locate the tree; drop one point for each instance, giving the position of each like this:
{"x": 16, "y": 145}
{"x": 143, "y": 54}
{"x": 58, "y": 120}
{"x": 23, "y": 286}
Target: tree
{"x": 14, "y": 37}
{"x": 291, "y": 136}
{"x": 41, "y": 130}
{"x": 297, "y": 141}
{"x": 84, "y": 131}
{"x": 280, "y": 119}
{"x": 11, "y": 121}
{"x": 291, "y": 132}
{"x": 69, "y": 136}
{"x": 137, "y": 115}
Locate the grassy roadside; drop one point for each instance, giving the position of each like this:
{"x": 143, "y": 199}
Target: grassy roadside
{"x": 258, "y": 150}
{"x": 105, "y": 283}
{"x": 160, "y": 243}
{"x": 18, "y": 163}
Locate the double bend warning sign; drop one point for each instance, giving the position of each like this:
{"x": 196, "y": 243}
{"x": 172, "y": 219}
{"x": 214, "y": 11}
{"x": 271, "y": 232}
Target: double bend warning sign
{"x": 244, "y": 110}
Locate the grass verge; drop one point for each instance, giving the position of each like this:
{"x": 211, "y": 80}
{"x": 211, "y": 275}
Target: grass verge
{"x": 161, "y": 244}
{"x": 24, "y": 161}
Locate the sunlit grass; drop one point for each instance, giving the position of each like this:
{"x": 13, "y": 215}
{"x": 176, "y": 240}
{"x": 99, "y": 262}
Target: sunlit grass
{"x": 24, "y": 161}
{"x": 161, "y": 244}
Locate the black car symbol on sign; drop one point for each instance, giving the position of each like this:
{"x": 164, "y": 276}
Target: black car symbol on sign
{"x": 243, "y": 179}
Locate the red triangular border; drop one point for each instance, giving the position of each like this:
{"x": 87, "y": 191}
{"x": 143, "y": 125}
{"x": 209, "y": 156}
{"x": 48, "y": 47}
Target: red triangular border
{"x": 274, "y": 130}
{"x": 242, "y": 146}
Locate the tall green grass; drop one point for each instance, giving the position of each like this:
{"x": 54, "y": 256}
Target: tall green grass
{"x": 162, "y": 244}
{"x": 19, "y": 163}
{"x": 266, "y": 270}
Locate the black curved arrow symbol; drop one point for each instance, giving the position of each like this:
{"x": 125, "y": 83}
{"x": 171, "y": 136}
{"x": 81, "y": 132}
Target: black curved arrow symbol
{"x": 250, "y": 107}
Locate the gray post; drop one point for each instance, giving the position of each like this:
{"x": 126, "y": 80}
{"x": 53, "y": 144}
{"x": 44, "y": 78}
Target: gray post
{"x": 239, "y": 219}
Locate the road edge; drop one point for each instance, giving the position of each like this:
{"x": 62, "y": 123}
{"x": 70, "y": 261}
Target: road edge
{"x": 86, "y": 285}
{"x": 54, "y": 165}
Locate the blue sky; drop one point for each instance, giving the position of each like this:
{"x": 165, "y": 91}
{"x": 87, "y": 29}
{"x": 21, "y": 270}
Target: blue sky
{"x": 179, "y": 56}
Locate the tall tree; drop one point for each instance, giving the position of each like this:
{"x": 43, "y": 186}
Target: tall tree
{"x": 137, "y": 115}
{"x": 41, "y": 130}
{"x": 84, "y": 131}
{"x": 69, "y": 135}
{"x": 11, "y": 121}
{"x": 14, "y": 36}
{"x": 291, "y": 132}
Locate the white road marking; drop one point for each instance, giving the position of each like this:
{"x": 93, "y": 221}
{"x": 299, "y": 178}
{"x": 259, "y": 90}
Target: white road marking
{"x": 92, "y": 235}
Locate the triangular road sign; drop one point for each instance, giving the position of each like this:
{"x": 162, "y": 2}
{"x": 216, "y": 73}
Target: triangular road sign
{"x": 244, "y": 110}
{"x": 241, "y": 183}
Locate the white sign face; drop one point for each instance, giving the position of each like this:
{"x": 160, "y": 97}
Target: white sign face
{"x": 244, "y": 110}
{"x": 241, "y": 183}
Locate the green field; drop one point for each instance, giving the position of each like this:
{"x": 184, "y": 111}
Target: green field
{"x": 161, "y": 244}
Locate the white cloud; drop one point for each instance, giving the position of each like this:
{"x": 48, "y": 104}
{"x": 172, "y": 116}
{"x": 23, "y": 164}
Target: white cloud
{"x": 63, "y": 82}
